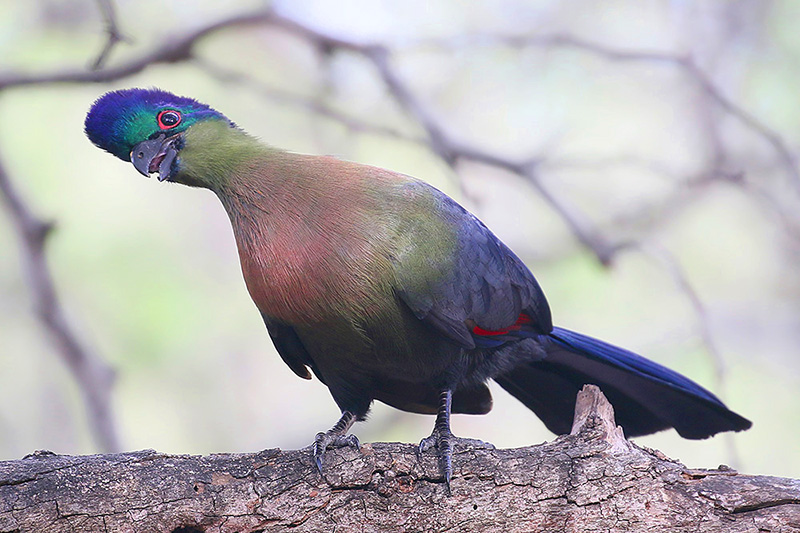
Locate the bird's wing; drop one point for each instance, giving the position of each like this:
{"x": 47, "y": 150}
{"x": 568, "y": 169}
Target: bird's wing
{"x": 289, "y": 347}
{"x": 479, "y": 287}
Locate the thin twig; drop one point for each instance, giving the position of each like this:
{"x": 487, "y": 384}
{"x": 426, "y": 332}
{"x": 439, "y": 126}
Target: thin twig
{"x": 170, "y": 51}
{"x": 668, "y": 262}
{"x": 313, "y": 105}
{"x": 113, "y": 34}
{"x": 670, "y": 265}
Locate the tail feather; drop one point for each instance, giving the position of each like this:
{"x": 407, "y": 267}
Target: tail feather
{"x": 646, "y": 396}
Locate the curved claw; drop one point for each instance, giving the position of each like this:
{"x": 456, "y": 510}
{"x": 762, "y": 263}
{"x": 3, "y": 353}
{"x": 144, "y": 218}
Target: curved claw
{"x": 426, "y": 444}
{"x": 323, "y": 441}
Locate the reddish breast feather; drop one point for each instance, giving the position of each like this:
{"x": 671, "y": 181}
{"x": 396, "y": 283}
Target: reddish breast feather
{"x": 302, "y": 273}
{"x": 316, "y": 246}
{"x": 300, "y": 279}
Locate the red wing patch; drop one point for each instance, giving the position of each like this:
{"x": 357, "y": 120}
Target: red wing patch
{"x": 522, "y": 319}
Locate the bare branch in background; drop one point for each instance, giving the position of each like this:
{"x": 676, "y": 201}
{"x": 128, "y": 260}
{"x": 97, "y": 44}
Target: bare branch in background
{"x": 113, "y": 35}
{"x": 170, "y": 51}
{"x": 673, "y": 268}
{"x": 94, "y": 377}
{"x": 312, "y": 105}
{"x": 684, "y": 63}
{"x": 668, "y": 262}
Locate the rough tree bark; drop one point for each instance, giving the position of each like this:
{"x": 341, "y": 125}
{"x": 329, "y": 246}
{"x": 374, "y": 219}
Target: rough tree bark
{"x": 591, "y": 480}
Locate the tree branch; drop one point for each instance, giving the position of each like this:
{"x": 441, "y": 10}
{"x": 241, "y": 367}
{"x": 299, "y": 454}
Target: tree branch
{"x": 170, "y": 51}
{"x": 591, "y": 480}
{"x": 93, "y": 375}
{"x": 684, "y": 63}
{"x": 315, "y": 106}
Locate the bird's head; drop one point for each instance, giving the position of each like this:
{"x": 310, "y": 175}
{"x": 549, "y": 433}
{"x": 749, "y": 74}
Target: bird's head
{"x": 146, "y": 127}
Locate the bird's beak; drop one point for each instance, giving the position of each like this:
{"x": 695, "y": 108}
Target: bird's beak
{"x": 155, "y": 155}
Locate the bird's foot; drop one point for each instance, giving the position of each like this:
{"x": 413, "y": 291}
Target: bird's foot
{"x": 331, "y": 439}
{"x": 444, "y": 442}
{"x": 441, "y": 439}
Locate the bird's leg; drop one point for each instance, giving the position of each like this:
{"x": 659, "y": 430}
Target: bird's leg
{"x": 442, "y": 437}
{"x": 336, "y": 437}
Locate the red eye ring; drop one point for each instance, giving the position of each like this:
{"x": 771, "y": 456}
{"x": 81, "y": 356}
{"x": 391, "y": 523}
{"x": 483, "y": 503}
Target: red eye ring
{"x": 168, "y": 119}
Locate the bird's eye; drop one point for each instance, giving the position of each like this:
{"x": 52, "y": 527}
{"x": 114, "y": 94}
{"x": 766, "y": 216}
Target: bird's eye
{"x": 168, "y": 118}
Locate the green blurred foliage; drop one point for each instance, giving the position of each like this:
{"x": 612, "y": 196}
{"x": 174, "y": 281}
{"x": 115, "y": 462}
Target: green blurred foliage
{"x": 149, "y": 274}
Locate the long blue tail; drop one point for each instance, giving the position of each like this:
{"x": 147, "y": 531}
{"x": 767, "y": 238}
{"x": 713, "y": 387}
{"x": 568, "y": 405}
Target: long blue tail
{"x": 646, "y": 396}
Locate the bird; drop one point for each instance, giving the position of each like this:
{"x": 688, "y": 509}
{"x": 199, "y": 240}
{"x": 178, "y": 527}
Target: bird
{"x": 385, "y": 288}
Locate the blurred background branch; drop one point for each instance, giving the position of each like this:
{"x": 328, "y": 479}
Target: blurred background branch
{"x": 113, "y": 34}
{"x": 94, "y": 376}
{"x": 646, "y": 138}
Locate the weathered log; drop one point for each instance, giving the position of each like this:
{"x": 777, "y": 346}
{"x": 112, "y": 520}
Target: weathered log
{"x": 591, "y": 480}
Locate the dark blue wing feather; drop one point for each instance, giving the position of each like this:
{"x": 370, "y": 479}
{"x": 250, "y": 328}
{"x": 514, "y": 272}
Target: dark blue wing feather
{"x": 630, "y": 362}
{"x": 485, "y": 283}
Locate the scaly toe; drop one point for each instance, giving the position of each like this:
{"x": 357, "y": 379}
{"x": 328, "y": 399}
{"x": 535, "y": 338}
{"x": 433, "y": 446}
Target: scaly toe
{"x": 344, "y": 441}
{"x": 323, "y": 441}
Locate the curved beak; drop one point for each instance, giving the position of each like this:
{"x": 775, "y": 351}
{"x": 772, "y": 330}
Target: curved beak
{"x": 155, "y": 155}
